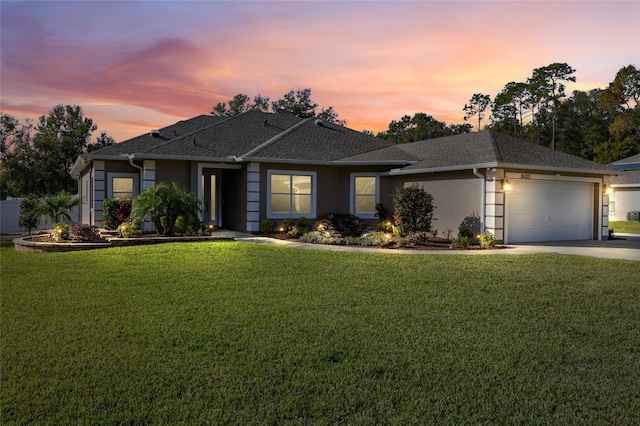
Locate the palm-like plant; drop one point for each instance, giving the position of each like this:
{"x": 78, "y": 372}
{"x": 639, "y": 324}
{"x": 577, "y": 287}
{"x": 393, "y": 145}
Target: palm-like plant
{"x": 58, "y": 207}
{"x": 163, "y": 203}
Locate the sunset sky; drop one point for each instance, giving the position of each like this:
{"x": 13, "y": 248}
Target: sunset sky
{"x": 137, "y": 65}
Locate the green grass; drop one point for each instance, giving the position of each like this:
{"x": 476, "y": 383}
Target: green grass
{"x": 236, "y": 333}
{"x": 625, "y": 227}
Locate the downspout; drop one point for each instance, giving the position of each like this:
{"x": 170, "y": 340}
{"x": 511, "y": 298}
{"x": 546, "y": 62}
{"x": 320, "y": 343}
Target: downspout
{"x": 483, "y": 196}
{"x": 130, "y": 157}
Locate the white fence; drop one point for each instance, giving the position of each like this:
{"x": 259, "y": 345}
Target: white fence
{"x": 10, "y": 212}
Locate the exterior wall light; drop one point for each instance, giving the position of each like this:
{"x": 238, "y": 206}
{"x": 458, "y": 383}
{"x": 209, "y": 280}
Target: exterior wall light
{"x": 608, "y": 189}
{"x": 506, "y": 185}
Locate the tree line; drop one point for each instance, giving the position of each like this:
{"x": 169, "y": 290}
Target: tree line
{"x": 600, "y": 124}
{"x": 35, "y": 158}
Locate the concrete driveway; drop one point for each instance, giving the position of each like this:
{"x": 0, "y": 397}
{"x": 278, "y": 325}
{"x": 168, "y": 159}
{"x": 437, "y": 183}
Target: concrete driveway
{"x": 625, "y": 246}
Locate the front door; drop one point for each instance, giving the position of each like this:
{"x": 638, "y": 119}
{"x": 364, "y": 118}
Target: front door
{"x": 210, "y": 197}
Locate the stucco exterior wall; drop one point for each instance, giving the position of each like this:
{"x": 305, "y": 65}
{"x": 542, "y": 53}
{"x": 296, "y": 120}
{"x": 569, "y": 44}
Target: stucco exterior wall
{"x": 456, "y": 200}
{"x": 626, "y": 200}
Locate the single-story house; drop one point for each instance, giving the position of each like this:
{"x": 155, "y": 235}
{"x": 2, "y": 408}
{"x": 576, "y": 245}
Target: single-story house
{"x": 257, "y": 165}
{"x": 625, "y": 199}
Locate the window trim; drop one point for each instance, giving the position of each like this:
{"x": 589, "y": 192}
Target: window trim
{"x": 292, "y": 215}
{"x": 136, "y": 182}
{"x": 352, "y": 194}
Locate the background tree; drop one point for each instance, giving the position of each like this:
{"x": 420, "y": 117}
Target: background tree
{"x": 37, "y": 159}
{"x": 17, "y": 158}
{"x": 297, "y": 102}
{"x": 510, "y": 107}
{"x": 621, "y": 100}
{"x": 240, "y": 103}
{"x": 60, "y": 138}
{"x": 102, "y": 141}
{"x": 548, "y": 85}
{"x": 420, "y": 127}
{"x": 582, "y": 125}
{"x": 477, "y": 105}
{"x": 330, "y": 115}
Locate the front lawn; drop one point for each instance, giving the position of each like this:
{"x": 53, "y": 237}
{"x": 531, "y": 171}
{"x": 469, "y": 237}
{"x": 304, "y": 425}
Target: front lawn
{"x": 625, "y": 227}
{"x": 237, "y": 333}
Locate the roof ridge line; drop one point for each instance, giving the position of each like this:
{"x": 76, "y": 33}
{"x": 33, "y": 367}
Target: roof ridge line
{"x": 275, "y": 138}
{"x": 496, "y": 148}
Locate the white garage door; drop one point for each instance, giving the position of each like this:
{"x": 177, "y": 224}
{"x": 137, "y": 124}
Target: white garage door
{"x": 540, "y": 210}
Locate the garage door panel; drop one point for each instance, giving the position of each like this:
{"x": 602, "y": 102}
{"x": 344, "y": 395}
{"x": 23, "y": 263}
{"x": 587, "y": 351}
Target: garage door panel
{"x": 550, "y": 211}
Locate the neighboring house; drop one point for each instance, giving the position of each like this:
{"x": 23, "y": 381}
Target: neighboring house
{"x": 257, "y": 166}
{"x": 625, "y": 198}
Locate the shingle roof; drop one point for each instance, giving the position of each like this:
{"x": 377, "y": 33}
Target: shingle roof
{"x": 145, "y": 142}
{"x": 260, "y": 136}
{"x": 489, "y": 147}
{"x": 629, "y": 163}
{"x": 318, "y": 140}
{"x": 626, "y": 178}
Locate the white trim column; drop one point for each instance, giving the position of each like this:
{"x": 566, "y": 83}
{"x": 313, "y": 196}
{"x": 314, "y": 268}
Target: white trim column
{"x": 99, "y": 191}
{"x": 494, "y": 205}
{"x": 253, "y": 197}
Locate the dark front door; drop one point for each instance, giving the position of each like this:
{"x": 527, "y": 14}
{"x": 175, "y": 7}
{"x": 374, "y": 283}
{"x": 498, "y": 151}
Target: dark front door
{"x": 210, "y": 197}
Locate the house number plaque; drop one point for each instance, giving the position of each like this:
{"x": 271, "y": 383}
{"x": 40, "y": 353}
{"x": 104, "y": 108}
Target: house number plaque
{"x": 525, "y": 176}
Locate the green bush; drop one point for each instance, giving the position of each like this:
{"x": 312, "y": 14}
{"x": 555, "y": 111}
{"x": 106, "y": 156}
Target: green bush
{"x": 303, "y": 225}
{"x": 129, "y": 230}
{"x": 460, "y": 242}
{"x": 266, "y": 226}
{"x": 29, "y": 215}
{"x": 294, "y": 232}
{"x": 83, "y": 232}
{"x": 60, "y": 232}
{"x": 115, "y": 211}
{"x": 287, "y": 224}
{"x": 181, "y": 224}
{"x": 340, "y": 225}
{"x": 58, "y": 207}
{"x": 487, "y": 240}
{"x": 163, "y": 204}
{"x": 413, "y": 209}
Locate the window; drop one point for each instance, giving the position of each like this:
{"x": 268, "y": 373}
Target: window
{"x": 291, "y": 194}
{"x": 122, "y": 185}
{"x": 364, "y": 195}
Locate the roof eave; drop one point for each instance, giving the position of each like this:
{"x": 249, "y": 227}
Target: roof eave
{"x": 503, "y": 166}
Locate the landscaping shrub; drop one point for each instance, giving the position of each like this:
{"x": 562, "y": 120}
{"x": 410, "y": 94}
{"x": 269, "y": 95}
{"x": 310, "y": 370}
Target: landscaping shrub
{"x": 376, "y": 239}
{"x": 303, "y": 225}
{"x": 115, "y": 211}
{"x": 58, "y": 207}
{"x": 470, "y": 226}
{"x": 83, "y": 232}
{"x": 181, "y": 224}
{"x": 29, "y": 215}
{"x": 129, "y": 230}
{"x": 416, "y": 238}
{"x": 163, "y": 203}
{"x": 287, "y": 224}
{"x": 340, "y": 225}
{"x": 460, "y": 242}
{"x": 383, "y": 213}
{"x": 266, "y": 226}
{"x": 60, "y": 232}
{"x": 294, "y": 232}
{"x": 487, "y": 240}
{"x": 413, "y": 209}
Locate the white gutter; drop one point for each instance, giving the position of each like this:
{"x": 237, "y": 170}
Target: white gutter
{"x": 496, "y": 165}
{"x": 131, "y": 157}
{"x": 483, "y": 196}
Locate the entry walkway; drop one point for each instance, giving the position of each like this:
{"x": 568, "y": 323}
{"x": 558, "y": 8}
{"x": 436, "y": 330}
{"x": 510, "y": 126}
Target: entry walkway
{"x": 625, "y": 246}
